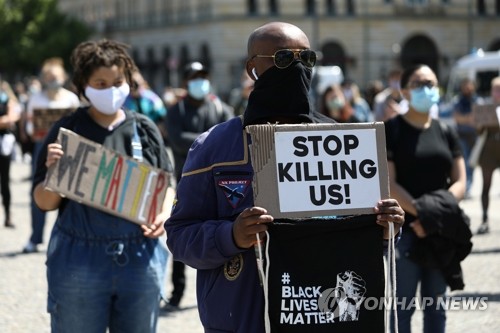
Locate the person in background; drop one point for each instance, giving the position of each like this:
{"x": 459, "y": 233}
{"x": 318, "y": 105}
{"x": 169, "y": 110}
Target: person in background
{"x": 52, "y": 96}
{"x": 352, "y": 95}
{"x": 238, "y": 98}
{"x": 104, "y": 272}
{"x": 196, "y": 113}
{"x": 489, "y": 160}
{"x": 206, "y": 230}
{"x": 10, "y": 110}
{"x": 170, "y": 97}
{"x": 424, "y": 156}
{"x": 22, "y": 96}
{"x": 387, "y": 103}
{"x": 144, "y": 100}
{"x": 462, "y": 114}
{"x": 335, "y": 105}
{"x": 372, "y": 89}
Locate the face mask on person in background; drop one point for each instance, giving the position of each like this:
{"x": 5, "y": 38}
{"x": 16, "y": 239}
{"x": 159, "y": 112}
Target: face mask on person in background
{"x": 394, "y": 85}
{"x": 53, "y": 85}
{"x": 335, "y": 103}
{"x": 198, "y": 88}
{"x": 108, "y": 101}
{"x": 347, "y": 94}
{"x": 422, "y": 99}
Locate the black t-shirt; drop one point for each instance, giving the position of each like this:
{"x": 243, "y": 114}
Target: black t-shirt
{"x": 118, "y": 139}
{"x": 423, "y": 158}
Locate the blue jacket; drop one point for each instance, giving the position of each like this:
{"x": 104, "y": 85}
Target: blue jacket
{"x": 215, "y": 187}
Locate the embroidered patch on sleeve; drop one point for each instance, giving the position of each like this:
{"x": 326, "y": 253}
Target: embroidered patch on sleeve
{"x": 234, "y": 190}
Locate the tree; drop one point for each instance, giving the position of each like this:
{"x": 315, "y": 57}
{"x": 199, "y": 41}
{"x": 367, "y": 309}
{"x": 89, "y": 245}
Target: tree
{"x": 34, "y": 30}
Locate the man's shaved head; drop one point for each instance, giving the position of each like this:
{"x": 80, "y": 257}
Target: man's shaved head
{"x": 281, "y": 94}
{"x": 279, "y": 34}
{"x": 270, "y": 38}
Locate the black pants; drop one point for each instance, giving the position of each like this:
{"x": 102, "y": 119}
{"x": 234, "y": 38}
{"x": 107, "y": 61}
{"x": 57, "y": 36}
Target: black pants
{"x": 5, "y": 184}
{"x": 179, "y": 282}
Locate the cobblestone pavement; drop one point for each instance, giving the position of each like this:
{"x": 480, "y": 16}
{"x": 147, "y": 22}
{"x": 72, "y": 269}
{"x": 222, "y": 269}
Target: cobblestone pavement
{"x": 23, "y": 286}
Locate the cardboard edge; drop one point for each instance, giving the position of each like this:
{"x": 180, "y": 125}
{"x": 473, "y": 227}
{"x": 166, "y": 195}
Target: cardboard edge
{"x": 270, "y": 129}
{"x": 102, "y": 208}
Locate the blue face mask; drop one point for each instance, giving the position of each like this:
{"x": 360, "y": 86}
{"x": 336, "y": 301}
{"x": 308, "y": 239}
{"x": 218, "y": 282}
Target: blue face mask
{"x": 422, "y": 99}
{"x": 198, "y": 88}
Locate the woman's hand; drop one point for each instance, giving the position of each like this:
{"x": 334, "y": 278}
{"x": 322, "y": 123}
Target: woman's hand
{"x": 54, "y": 153}
{"x": 156, "y": 229}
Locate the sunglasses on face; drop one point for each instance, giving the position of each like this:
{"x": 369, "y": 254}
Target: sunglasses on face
{"x": 284, "y": 58}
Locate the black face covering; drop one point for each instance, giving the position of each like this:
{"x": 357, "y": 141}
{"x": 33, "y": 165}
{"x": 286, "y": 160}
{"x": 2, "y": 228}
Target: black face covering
{"x": 281, "y": 93}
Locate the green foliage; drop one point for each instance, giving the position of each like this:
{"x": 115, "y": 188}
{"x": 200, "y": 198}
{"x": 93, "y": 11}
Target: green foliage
{"x": 34, "y": 30}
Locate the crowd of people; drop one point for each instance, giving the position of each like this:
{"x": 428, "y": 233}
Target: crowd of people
{"x": 108, "y": 98}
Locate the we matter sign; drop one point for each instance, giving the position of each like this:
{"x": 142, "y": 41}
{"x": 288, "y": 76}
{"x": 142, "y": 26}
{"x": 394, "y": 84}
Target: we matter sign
{"x": 99, "y": 177}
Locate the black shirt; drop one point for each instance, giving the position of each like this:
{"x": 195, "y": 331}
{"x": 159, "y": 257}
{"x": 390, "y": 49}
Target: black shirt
{"x": 423, "y": 158}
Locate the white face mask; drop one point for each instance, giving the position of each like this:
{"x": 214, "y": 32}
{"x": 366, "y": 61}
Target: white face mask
{"x": 108, "y": 101}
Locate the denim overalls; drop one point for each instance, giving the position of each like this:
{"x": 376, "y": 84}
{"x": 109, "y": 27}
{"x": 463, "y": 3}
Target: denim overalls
{"x": 97, "y": 261}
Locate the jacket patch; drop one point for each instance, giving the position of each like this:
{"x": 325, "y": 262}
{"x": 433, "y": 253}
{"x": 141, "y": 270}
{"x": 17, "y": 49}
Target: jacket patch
{"x": 234, "y": 190}
{"x": 233, "y": 267}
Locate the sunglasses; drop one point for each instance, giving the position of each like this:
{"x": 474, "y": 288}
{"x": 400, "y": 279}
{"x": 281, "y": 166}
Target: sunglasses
{"x": 284, "y": 58}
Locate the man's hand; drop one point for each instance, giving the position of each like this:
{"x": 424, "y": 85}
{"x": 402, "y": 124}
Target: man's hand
{"x": 250, "y": 222}
{"x": 389, "y": 210}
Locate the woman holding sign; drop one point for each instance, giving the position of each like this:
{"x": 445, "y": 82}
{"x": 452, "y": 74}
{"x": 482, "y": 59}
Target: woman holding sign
{"x": 426, "y": 168}
{"x": 103, "y": 271}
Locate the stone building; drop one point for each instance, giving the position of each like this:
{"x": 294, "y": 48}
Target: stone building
{"x": 366, "y": 38}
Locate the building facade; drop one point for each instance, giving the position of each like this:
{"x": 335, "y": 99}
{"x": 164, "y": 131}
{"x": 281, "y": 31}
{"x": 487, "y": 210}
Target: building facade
{"x": 366, "y": 38}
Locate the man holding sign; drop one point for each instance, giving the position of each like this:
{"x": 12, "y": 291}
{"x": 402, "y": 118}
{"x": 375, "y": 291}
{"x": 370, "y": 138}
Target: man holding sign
{"x": 103, "y": 271}
{"x": 215, "y": 223}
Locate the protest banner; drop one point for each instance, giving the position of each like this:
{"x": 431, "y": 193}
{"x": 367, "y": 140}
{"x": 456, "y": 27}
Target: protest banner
{"x": 328, "y": 170}
{"x": 320, "y": 271}
{"x": 43, "y": 119}
{"x": 486, "y": 115}
{"x": 312, "y": 170}
{"x": 99, "y": 177}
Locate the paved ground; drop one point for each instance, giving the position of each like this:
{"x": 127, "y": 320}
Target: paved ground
{"x": 23, "y": 287}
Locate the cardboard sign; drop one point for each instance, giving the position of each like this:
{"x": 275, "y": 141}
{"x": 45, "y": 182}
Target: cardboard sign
{"x": 486, "y": 115}
{"x": 43, "y": 119}
{"x": 96, "y": 176}
{"x": 319, "y": 169}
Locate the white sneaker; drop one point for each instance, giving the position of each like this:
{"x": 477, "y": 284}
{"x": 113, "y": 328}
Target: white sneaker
{"x": 30, "y": 248}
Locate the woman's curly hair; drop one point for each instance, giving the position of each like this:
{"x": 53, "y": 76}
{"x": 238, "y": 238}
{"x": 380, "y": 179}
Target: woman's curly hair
{"x": 90, "y": 55}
